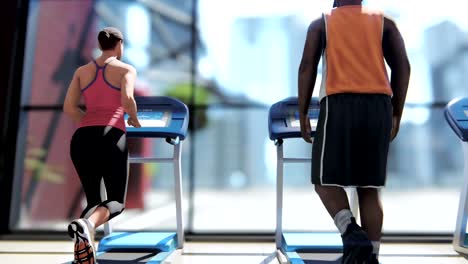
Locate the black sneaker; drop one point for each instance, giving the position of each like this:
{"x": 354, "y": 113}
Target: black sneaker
{"x": 357, "y": 248}
{"x": 373, "y": 260}
{"x": 83, "y": 236}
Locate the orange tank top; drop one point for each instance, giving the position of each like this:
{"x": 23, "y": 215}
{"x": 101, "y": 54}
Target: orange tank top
{"x": 353, "y": 60}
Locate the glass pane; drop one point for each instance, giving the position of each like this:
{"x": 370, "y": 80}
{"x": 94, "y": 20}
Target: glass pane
{"x": 157, "y": 42}
{"x": 234, "y": 187}
{"x": 58, "y": 41}
{"x": 45, "y": 179}
{"x": 256, "y": 55}
{"x": 425, "y": 175}
{"x": 254, "y": 60}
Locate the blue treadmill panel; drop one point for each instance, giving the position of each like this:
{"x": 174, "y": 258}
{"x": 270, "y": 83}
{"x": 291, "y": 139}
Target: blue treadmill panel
{"x": 160, "y": 116}
{"x": 456, "y": 114}
{"x": 316, "y": 242}
{"x": 283, "y": 118}
{"x": 163, "y": 241}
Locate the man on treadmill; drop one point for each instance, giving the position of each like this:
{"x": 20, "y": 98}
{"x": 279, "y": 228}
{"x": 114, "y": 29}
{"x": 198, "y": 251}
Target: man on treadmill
{"x": 360, "y": 113}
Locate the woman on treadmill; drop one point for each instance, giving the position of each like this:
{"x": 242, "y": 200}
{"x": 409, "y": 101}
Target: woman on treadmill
{"x": 98, "y": 147}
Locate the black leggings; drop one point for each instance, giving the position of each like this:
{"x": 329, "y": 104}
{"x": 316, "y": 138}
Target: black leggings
{"x": 100, "y": 152}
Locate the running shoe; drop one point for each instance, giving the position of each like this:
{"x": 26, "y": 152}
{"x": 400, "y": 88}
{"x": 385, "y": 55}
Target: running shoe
{"x": 373, "y": 260}
{"x": 357, "y": 248}
{"x": 83, "y": 236}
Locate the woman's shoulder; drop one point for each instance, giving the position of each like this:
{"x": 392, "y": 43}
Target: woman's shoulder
{"x": 85, "y": 69}
{"x": 122, "y": 66}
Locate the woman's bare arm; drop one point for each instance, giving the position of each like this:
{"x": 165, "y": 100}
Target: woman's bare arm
{"x": 72, "y": 99}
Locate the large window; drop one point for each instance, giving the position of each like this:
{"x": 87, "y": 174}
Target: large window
{"x": 247, "y": 56}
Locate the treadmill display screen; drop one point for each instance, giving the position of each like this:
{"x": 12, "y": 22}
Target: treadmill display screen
{"x": 296, "y": 123}
{"x": 294, "y": 119}
{"x": 152, "y": 118}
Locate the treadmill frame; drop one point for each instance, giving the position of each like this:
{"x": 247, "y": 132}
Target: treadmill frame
{"x": 176, "y": 161}
{"x": 281, "y": 160}
{"x": 460, "y": 236}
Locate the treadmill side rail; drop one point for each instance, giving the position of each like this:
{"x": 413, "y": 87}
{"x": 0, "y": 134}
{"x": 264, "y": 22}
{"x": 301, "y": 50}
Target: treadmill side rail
{"x": 459, "y": 239}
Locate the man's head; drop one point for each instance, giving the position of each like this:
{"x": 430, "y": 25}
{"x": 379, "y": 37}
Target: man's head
{"x": 111, "y": 39}
{"x": 337, "y": 3}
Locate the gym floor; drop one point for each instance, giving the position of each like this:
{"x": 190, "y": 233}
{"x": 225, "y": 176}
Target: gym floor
{"x": 223, "y": 253}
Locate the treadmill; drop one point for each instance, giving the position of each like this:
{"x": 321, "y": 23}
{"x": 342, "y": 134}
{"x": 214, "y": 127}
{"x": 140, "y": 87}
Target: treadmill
{"x": 283, "y": 123}
{"x": 165, "y": 118}
{"x": 456, "y": 114}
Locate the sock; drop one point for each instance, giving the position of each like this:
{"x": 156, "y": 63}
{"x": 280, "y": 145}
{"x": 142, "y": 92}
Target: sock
{"x": 90, "y": 225}
{"x": 376, "y": 246}
{"x": 342, "y": 219}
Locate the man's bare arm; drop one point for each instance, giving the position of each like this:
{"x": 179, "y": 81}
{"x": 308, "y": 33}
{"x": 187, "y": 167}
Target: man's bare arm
{"x": 313, "y": 48}
{"x": 396, "y": 57}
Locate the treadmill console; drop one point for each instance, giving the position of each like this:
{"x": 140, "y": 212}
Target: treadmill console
{"x": 456, "y": 114}
{"x": 160, "y": 116}
{"x": 293, "y": 120}
{"x": 152, "y": 118}
{"x": 283, "y": 118}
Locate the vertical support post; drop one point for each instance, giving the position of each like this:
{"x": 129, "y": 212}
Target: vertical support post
{"x": 460, "y": 230}
{"x": 103, "y": 192}
{"x": 279, "y": 193}
{"x": 178, "y": 193}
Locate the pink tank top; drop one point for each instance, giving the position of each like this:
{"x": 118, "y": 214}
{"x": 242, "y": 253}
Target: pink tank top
{"x": 103, "y": 102}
